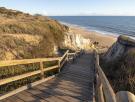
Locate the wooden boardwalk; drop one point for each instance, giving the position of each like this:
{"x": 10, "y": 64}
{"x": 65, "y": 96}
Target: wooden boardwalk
{"x": 73, "y": 84}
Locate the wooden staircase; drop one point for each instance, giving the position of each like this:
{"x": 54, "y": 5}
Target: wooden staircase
{"x": 79, "y": 79}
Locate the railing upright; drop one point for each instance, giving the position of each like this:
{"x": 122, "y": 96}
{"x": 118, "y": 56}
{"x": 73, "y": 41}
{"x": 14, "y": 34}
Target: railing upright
{"x": 104, "y": 91}
{"x": 104, "y": 87}
{"x": 61, "y": 61}
{"x": 42, "y": 70}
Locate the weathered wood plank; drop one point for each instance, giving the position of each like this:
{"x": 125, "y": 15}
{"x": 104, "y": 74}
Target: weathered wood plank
{"x": 69, "y": 87}
{"x": 59, "y": 91}
{"x": 85, "y": 73}
{"x": 80, "y": 76}
{"x": 71, "y": 54}
{"x": 28, "y": 97}
{"x": 26, "y": 61}
{"x": 12, "y": 99}
{"x": 75, "y": 79}
{"x": 25, "y": 87}
{"x": 108, "y": 91}
{"x": 81, "y": 90}
{"x": 60, "y": 95}
{"x": 44, "y": 95}
{"x": 50, "y": 68}
{"x": 66, "y": 82}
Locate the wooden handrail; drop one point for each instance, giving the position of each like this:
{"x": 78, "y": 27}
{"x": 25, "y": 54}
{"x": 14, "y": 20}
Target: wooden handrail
{"x": 61, "y": 61}
{"x": 66, "y": 53}
{"x": 18, "y": 77}
{"x": 71, "y": 53}
{"x": 26, "y": 61}
{"x": 104, "y": 90}
{"x": 108, "y": 91}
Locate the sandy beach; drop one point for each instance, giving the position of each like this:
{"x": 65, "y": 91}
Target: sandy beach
{"x": 104, "y": 41}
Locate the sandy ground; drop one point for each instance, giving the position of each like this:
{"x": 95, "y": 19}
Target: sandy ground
{"x": 104, "y": 41}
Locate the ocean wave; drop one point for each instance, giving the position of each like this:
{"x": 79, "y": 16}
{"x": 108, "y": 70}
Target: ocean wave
{"x": 91, "y": 29}
{"x": 105, "y": 25}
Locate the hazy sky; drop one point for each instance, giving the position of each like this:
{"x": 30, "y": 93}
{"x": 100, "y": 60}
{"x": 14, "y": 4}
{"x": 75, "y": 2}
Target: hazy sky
{"x": 72, "y": 7}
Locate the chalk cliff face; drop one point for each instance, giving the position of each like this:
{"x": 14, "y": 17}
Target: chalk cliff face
{"x": 74, "y": 41}
{"x": 123, "y": 46}
{"x": 77, "y": 41}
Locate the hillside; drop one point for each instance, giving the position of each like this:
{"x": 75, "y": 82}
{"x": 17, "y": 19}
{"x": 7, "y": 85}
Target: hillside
{"x": 26, "y": 36}
{"x": 119, "y": 64}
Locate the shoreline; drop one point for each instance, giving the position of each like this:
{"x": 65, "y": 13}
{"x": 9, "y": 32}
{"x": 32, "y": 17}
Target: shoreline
{"x": 104, "y": 40}
{"x": 91, "y": 29}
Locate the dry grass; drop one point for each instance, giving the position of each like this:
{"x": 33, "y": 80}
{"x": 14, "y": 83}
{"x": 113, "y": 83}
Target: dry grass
{"x": 121, "y": 72}
{"x": 29, "y": 36}
{"x": 11, "y": 71}
{"x": 23, "y": 36}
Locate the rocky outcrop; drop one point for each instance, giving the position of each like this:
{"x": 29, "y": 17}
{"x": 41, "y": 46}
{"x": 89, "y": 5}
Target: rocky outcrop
{"x": 119, "y": 64}
{"x": 119, "y": 49}
{"x": 74, "y": 41}
{"x": 77, "y": 41}
{"x": 127, "y": 41}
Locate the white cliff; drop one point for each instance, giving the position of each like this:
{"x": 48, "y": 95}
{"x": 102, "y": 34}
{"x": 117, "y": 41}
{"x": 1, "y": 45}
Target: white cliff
{"x": 77, "y": 41}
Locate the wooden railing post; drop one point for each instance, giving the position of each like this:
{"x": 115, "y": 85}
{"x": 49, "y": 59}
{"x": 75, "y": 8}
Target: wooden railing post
{"x": 101, "y": 94}
{"x": 99, "y": 89}
{"x": 59, "y": 64}
{"x": 67, "y": 57}
{"x": 42, "y": 70}
{"x": 107, "y": 89}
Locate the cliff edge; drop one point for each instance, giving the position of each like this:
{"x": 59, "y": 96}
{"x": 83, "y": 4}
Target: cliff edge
{"x": 119, "y": 64}
{"x": 122, "y": 47}
{"x": 24, "y": 36}
{"x": 77, "y": 41}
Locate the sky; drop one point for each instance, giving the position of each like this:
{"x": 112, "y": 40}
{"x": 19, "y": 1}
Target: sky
{"x": 73, "y": 7}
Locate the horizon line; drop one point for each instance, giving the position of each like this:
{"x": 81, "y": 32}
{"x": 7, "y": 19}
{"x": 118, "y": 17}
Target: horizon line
{"x": 34, "y": 13}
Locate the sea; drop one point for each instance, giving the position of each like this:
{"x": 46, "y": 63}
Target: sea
{"x": 111, "y": 25}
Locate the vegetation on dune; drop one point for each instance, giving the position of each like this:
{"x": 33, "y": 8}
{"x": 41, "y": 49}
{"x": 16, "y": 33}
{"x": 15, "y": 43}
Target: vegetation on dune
{"x": 16, "y": 22}
{"x": 9, "y": 13}
{"x": 23, "y": 36}
{"x": 121, "y": 72}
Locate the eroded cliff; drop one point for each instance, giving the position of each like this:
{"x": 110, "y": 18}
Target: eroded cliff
{"x": 119, "y": 64}
{"x": 120, "y": 48}
{"x": 77, "y": 41}
{"x": 25, "y": 36}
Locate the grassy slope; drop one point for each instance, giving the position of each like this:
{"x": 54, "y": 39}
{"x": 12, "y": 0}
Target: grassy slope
{"x": 25, "y": 36}
{"x": 45, "y": 33}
